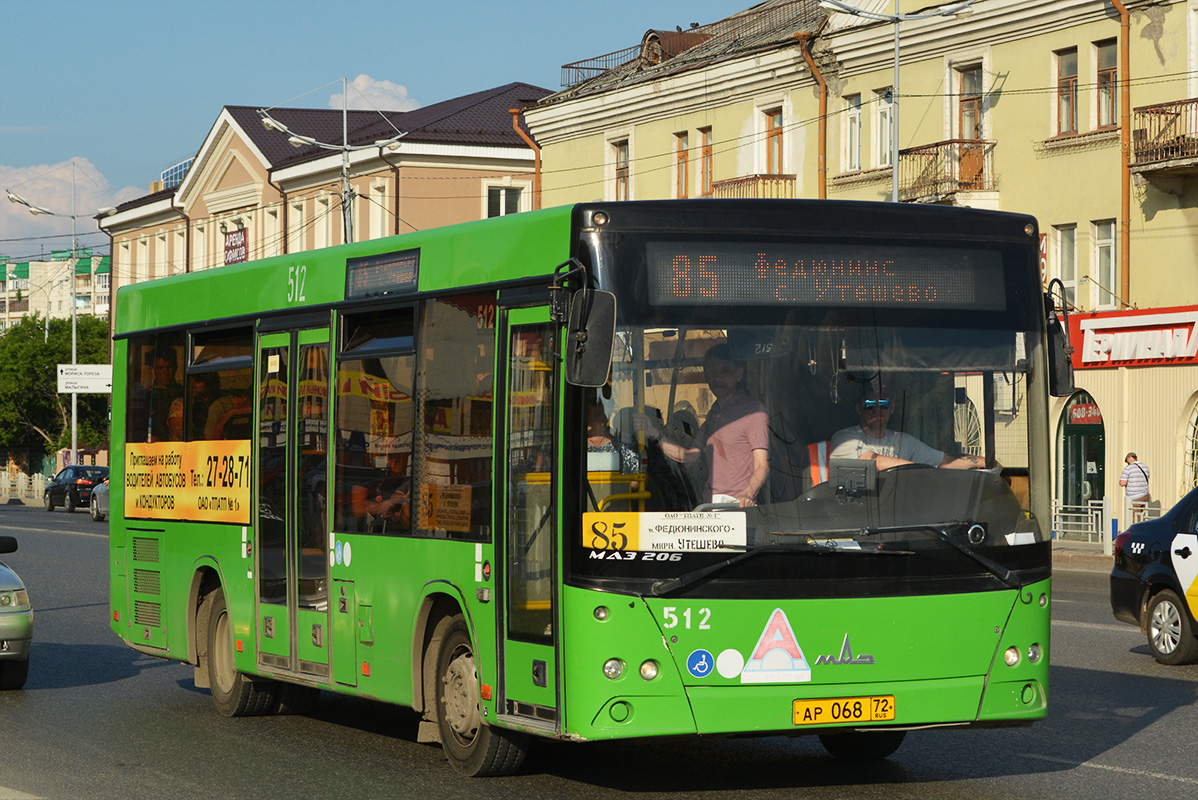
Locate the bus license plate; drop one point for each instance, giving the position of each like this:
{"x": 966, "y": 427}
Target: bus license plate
{"x": 833, "y": 710}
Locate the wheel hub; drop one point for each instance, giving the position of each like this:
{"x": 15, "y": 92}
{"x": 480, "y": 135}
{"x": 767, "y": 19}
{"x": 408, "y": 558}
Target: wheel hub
{"x": 460, "y": 696}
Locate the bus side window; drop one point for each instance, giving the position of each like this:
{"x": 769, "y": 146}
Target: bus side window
{"x": 454, "y": 450}
{"x": 218, "y": 388}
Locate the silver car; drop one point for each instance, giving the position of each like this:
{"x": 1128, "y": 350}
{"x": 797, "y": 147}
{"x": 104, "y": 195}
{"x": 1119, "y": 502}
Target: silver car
{"x": 16, "y": 623}
{"x": 99, "y": 502}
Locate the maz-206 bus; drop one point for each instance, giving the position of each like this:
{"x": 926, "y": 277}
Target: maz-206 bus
{"x": 490, "y": 472}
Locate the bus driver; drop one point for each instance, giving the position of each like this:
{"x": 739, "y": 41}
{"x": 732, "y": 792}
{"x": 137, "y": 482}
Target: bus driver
{"x": 873, "y": 442}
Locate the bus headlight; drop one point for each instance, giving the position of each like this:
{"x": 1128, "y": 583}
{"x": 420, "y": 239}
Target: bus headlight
{"x": 614, "y": 668}
{"x": 601, "y": 613}
{"x": 649, "y": 670}
{"x": 1011, "y": 656}
{"x": 1034, "y": 653}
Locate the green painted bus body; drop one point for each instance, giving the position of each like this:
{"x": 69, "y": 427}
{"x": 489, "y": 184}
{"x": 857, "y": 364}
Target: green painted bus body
{"x": 940, "y": 655}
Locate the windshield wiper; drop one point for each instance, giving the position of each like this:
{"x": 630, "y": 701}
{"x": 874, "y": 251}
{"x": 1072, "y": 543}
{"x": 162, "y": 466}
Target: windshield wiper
{"x": 663, "y": 587}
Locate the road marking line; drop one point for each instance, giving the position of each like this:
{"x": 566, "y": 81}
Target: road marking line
{"x": 1139, "y": 773}
{"x": 13, "y": 794}
{"x": 1093, "y": 626}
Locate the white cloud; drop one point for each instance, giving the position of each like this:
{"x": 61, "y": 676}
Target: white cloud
{"x": 24, "y": 235}
{"x": 367, "y": 94}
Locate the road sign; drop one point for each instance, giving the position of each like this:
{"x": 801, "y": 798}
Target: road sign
{"x": 85, "y": 379}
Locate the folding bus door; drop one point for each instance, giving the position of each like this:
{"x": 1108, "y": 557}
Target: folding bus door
{"x": 530, "y": 519}
{"x": 291, "y": 535}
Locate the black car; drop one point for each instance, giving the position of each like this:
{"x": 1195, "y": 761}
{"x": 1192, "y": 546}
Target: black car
{"x": 1155, "y": 581}
{"x": 72, "y": 487}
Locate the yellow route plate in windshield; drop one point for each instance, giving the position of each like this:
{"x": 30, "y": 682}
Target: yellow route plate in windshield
{"x": 676, "y": 532}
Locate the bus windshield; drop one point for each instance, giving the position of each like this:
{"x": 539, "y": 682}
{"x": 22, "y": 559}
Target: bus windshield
{"x": 834, "y": 438}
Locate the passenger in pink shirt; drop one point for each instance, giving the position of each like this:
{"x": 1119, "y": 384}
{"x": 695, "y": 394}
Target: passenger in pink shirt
{"x": 735, "y": 435}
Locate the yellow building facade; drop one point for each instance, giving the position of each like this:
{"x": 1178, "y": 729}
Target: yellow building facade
{"x": 1083, "y": 113}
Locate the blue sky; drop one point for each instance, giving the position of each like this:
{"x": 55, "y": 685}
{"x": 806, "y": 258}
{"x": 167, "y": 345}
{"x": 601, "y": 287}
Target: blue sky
{"x": 124, "y": 88}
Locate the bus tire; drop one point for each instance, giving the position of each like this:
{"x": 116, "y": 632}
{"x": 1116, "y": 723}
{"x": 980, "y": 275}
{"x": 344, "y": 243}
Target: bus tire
{"x": 13, "y": 674}
{"x": 862, "y": 745}
{"x": 474, "y": 748}
{"x": 234, "y": 694}
{"x": 1170, "y": 636}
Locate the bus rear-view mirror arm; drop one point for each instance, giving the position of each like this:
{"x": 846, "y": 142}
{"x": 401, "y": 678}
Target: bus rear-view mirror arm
{"x": 1060, "y": 352}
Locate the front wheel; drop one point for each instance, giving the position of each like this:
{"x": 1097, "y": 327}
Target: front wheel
{"x": 95, "y": 509}
{"x": 47, "y": 503}
{"x": 862, "y": 745}
{"x": 1169, "y": 633}
{"x": 235, "y": 694}
{"x": 474, "y": 748}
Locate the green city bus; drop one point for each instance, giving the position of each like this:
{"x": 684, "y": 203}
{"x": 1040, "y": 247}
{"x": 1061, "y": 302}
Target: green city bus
{"x": 581, "y": 473}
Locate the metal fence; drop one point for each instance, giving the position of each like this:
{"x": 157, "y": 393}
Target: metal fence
{"x": 934, "y": 171}
{"x": 1165, "y": 132}
{"x": 21, "y": 487}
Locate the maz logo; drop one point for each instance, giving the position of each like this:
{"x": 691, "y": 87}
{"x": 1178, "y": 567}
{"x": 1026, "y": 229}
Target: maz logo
{"x": 846, "y": 656}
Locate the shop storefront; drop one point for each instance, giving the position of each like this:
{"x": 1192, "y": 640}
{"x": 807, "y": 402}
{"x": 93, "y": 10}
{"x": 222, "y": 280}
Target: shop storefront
{"x": 1137, "y": 391}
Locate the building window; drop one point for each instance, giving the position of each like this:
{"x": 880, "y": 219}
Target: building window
{"x": 1104, "y": 264}
{"x": 379, "y": 211}
{"x": 322, "y": 228}
{"x": 706, "y": 165}
{"x": 295, "y": 227}
{"x": 1066, "y": 236}
{"x": 1067, "y": 91}
{"x": 970, "y": 118}
{"x": 502, "y": 200}
{"x": 681, "y": 164}
{"x": 773, "y": 142}
{"x": 1107, "y": 60}
{"x": 852, "y": 133}
{"x": 884, "y": 102}
{"x": 621, "y": 153}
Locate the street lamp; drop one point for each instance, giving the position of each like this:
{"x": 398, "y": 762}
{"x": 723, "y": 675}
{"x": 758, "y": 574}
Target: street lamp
{"x": 959, "y": 10}
{"x": 299, "y": 140}
{"x": 37, "y": 210}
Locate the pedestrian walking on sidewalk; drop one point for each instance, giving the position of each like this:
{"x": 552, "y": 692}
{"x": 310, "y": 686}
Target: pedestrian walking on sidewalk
{"x": 1134, "y": 480}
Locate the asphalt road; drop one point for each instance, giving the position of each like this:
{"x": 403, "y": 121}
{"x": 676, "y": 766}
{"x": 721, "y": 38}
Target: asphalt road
{"x": 98, "y": 720}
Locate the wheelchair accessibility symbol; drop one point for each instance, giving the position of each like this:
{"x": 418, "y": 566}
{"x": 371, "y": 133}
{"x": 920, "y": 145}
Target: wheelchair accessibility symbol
{"x": 700, "y": 663}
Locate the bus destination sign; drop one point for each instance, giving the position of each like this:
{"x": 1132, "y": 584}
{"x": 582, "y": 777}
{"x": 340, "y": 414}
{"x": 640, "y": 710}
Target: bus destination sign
{"x": 723, "y": 273}
{"x": 386, "y": 273}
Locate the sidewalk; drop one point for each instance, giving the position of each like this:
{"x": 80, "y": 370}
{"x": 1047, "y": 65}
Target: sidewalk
{"x": 1084, "y": 556}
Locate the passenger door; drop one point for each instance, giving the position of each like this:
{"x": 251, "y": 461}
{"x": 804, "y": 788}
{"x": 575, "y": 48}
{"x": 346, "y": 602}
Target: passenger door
{"x": 291, "y": 534}
{"x": 530, "y": 620}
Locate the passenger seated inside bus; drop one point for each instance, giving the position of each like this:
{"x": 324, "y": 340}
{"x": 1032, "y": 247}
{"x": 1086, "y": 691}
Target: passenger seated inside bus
{"x": 166, "y": 398}
{"x": 234, "y": 423}
{"x": 613, "y": 464}
{"x": 734, "y": 438}
{"x": 385, "y": 503}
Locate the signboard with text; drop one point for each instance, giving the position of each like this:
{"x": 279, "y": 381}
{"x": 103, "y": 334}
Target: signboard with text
{"x": 85, "y": 379}
{"x": 1134, "y": 338}
{"x": 199, "y": 481}
{"x": 237, "y": 246}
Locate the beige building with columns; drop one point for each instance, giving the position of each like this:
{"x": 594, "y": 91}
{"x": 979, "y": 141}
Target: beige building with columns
{"x": 251, "y": 193}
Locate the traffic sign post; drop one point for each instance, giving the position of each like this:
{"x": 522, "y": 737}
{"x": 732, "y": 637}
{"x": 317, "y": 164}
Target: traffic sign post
{"x": 85, "y": 379}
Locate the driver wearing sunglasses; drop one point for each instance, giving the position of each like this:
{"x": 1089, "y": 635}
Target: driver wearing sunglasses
{"x": 872, "y": 440}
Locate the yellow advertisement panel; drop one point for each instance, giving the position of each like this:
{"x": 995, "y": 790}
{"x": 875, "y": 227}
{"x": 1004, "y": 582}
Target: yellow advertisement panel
{"x": 199, "y": 481}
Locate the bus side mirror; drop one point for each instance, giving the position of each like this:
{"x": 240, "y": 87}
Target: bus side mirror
{"x": 1060, "y": 354}
{"x": 590, "y": 335}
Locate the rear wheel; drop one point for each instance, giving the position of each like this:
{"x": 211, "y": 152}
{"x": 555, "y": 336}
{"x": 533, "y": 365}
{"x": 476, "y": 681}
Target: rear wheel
{"x": 474, "y": 748}
{"x": 862, "y": 745}
{"x": 68, "y": 502}
{"x": 13, "y": 674}
{"x": 235, "y": 694}
{"x": 1169, "y": 633}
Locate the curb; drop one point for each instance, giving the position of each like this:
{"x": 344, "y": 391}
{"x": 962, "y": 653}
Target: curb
{"x": 1083, "y": 562}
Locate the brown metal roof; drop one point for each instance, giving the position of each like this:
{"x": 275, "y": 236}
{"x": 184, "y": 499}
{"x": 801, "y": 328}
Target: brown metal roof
{"x": 765, "y": 26}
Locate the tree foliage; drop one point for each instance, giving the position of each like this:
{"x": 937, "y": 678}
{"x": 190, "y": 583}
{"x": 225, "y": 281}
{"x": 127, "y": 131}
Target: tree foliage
{"x": 32, "y": 412}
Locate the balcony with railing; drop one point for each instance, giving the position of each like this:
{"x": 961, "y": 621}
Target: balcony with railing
{"x": 1164, "y": 138}
{"x": 755, "y": 187}
{"x": 936, "y": 172}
